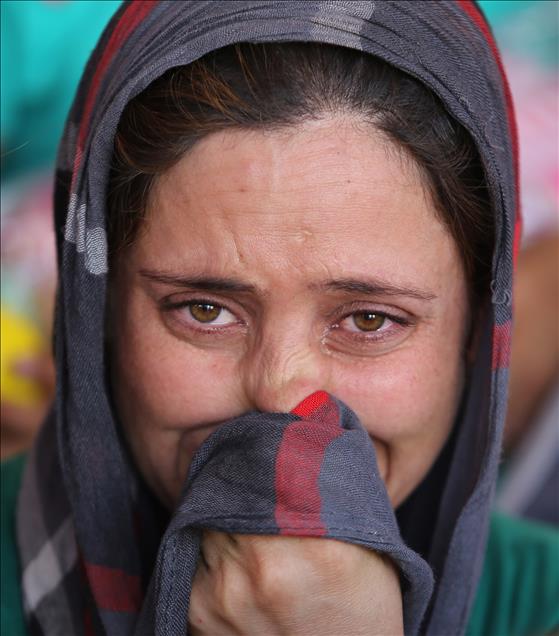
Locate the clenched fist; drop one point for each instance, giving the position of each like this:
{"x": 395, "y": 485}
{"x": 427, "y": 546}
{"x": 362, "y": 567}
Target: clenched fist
{"x": 272, "y": 585}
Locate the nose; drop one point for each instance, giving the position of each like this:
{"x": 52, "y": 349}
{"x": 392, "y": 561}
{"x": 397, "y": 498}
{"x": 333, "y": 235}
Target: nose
{"x": 281, "y": 374}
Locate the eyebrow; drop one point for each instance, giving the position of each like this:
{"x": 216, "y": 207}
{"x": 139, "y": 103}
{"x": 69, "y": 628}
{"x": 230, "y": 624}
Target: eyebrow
{"x": 207, "y": 283}
{"x": 374, "y": 287}
{"x": 350, "y": 285}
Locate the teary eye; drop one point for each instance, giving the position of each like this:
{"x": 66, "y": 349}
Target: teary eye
{"x": 208, "y": 313}
{"x": 204, "y": 312}
{"x": 365, "y": 321}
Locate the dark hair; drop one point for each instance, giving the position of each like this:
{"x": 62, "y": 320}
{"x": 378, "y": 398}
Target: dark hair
{"x": 277, "y": 85}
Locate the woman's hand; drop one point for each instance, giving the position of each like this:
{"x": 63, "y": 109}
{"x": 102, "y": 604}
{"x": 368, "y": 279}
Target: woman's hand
{"x": 256, "y": 585}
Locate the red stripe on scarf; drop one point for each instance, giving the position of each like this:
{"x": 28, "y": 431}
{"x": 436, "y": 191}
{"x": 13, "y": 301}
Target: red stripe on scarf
{"x": 88, "y": 628}
{"x": 472, "y": 10}
{"x": 500, "y": 357}
{"x": 310, "y": 404}
{"x": 132, "y": 16}
{"x": 298, "y": 465}
{"x": 113, "y": 589}
{"x": 88, "y": 622}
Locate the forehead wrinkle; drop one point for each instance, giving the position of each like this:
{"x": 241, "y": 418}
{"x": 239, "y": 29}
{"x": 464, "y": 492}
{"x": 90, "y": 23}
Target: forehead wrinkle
{"x": 219, "y": 226}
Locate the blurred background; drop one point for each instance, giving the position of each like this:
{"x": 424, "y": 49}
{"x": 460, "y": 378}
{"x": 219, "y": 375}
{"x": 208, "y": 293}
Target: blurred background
{"x": 44, "y": 48}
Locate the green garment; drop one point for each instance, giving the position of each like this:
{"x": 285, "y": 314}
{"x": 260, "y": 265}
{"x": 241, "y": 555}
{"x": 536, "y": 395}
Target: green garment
{"x": 518, "y": 594}
{"x": 11, "y": 611}
{"x": 45, "y": 46}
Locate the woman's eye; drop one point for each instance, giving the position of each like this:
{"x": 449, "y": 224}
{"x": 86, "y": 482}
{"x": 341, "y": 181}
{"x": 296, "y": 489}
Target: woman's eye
{"x": 207, "y": 313}
{"x": 365, "y": 321}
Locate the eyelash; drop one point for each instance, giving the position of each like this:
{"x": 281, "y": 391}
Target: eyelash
{"x": 399, "y": 322}
{"x": 176, "y": 307}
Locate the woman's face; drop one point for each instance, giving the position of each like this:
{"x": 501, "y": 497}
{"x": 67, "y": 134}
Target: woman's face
{"x": 276, "y": 264}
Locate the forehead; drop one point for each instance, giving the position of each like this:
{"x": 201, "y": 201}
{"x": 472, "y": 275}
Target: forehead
{"x": 325, "y": 194}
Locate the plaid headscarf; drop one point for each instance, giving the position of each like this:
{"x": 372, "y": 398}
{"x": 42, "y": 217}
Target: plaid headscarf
{"x": 92, "y": 539}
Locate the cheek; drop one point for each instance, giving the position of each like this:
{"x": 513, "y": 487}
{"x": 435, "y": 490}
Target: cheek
{"x": 173, "y": 389}
{"x": 407, "y": 402}
{"x": 167, "y": 381}
{"x": 165, "y": 396}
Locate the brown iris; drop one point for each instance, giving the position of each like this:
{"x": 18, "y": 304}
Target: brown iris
{"x": 368, "y": 321}
{"x": 203, "y": 312}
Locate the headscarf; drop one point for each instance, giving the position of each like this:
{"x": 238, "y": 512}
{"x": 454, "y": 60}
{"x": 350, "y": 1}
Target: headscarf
{"x": 89, "y": 532}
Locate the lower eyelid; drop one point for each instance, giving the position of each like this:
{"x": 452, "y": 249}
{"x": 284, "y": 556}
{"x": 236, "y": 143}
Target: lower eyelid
{"x": 186, "y": 327}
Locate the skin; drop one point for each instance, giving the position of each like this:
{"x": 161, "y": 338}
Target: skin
{"x": 313, "y": 229}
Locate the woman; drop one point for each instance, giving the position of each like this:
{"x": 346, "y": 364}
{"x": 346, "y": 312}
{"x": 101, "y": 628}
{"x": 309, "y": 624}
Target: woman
{"x": 285, "y": 275}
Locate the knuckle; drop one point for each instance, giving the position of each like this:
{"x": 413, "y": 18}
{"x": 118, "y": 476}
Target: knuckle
{"x": 272, "y": 576}
{"x": 229, "y": 589}
{"x": 279, "y": 568}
